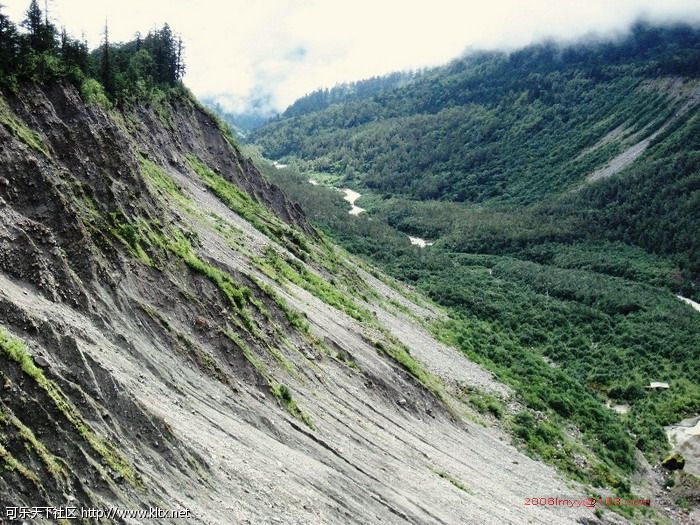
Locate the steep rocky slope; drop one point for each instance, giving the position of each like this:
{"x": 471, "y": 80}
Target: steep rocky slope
{"x": 175, "y": 334}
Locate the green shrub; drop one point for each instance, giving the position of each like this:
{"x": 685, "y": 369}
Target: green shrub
{"x": 93, "y": 92}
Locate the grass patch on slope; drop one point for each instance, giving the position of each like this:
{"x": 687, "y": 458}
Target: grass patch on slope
{"x": 277, "y": 268}
{"x": 20, "y": 130}
{"x": 280, "y": 391}
{"x": 255, "y": 213}
{"x": 12, "y": 464}
{"x": 15, "y": 351}
{"x": 160, "y": 179}
{"x": 52, "y": 463}
{"x": 399, "y": 353}
{"x": 284, "y": 395}
{"x": 132, "y": 236}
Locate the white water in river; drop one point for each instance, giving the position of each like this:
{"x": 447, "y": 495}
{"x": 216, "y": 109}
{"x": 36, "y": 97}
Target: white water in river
{"x": 695, "y": 305}
{"x": 351, "y": 196}
{"x": 420, "y": 242}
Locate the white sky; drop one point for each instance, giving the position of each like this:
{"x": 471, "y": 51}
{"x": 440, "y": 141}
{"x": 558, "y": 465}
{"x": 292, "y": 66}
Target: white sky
{"x": 239, "y": 50}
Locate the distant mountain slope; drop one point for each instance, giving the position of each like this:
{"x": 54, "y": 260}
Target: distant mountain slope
{"x": 346, "y": 92}
{"x": 492, "y": 126}
{"x": 259, "y": 109}
{"x": 242, "y": 122}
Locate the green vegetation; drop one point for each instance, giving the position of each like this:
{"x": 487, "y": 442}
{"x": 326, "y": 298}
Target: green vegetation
{"x": 10, "y": 464}
{"x": 239, "y": 297}
{"x": 484, "y": 402}
{"x": 252, "y": 211}
{"x": 284, "y": 394}
{"x": 133, "y": 237}
{"x": 345, "y": 92}
{"x": 563, "y": 288}
{"x": 51, "y": 462}
{"x": 280, "y": 391}
{"x": 136, "y": 71}
{"x": 447, "y": 476}
{"x": 295, "y": 319}
{"x": 163, "y": 182}
{"x": 400, "y": 353}
{"x": 20, "y": 130}
{"x": 490, "y": 124}
{"x": 92, "y": 92}
{"x": 674, "y": 461}
{"x": 684, "y": 504}
{"x": 278, "y": 268}
{"x": 139, "y": 234}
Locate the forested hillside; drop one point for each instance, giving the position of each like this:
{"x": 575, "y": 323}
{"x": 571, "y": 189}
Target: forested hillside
{"x": 511, "y": 127}
{"x": 526, "y": 133}
{"x": 560, "y": 187}
{"x": 140, "y": 70}
{"x": 259, "y": 110}
{"x": 349, "y": 91}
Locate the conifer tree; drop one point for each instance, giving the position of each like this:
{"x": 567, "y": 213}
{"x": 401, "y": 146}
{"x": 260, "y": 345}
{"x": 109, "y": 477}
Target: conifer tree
{"x": 106, "y": 68}
{"x": 41, "y": 33}
{"x": 9, "y": 44}
{"x": 33, "y": 23}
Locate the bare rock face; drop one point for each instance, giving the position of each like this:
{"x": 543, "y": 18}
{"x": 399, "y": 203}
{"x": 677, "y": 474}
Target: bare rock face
{"x": 191, "y": 353}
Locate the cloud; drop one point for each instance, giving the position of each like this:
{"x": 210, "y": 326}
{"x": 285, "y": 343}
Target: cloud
{"x": 271, "y": 52}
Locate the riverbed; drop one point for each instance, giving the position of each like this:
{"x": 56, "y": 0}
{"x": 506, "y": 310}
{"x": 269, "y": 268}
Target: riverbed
{"x": 351, "y": 196}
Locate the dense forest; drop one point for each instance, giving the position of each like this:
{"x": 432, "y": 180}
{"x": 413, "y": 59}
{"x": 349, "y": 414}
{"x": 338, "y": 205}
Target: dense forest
{"x": 112, "y": 74}
{"x": 322, "y": 98}
{"x": 560, "y": 282}
{"x": 518, "y": 134}
{"x": 489, "y": 126}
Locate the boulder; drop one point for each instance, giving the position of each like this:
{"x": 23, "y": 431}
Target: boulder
{"x": 674, "y": 462}
{"x": 41, "y": 361}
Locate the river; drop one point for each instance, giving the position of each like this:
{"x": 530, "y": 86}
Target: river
{"x": 422, "y": 243}
{"x": 351, "y": 196}
{"x": 692, "y": 303}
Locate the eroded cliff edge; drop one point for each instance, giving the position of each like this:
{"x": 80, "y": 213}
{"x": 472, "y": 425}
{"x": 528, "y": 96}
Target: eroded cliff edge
{"x": 175, "y": 334}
